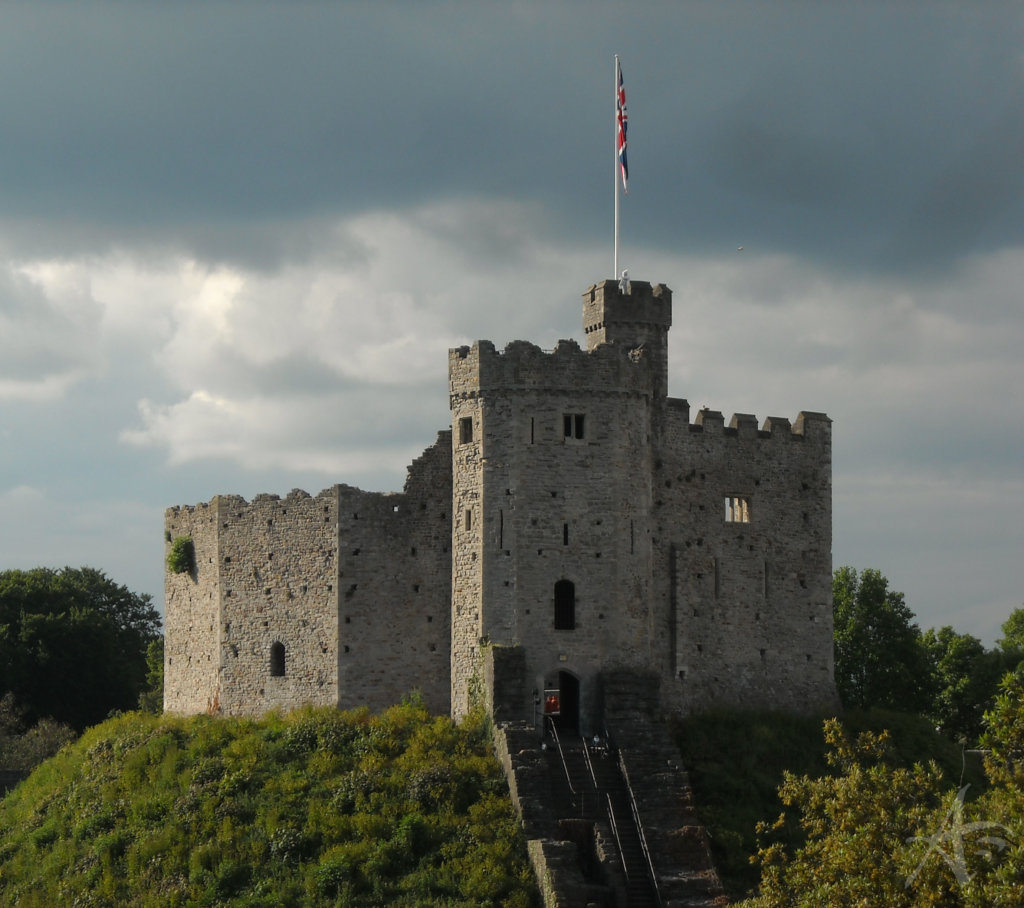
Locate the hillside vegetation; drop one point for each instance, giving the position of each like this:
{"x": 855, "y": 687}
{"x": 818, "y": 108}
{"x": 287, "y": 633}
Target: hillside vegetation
{"x": 737, "y": 761}
{"x": 316, "y": 807}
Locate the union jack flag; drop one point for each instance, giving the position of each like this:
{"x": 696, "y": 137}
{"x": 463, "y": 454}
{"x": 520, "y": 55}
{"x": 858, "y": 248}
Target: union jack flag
{"x": 623, "y": 121}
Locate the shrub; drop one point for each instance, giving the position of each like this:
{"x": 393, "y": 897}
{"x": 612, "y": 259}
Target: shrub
{"x": 181, "y": 558}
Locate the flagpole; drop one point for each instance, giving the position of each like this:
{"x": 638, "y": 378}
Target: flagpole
{"x": 615, "y": 170}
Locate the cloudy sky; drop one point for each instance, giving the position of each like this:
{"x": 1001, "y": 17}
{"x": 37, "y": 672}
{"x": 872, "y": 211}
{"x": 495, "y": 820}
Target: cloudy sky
{"x": 237, "y": 240}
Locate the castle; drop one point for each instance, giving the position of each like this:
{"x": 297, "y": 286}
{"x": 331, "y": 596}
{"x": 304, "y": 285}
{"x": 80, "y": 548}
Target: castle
{"x": 572, "y": 521}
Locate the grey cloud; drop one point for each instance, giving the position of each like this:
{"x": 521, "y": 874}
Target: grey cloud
{"x": 789, "y": 130}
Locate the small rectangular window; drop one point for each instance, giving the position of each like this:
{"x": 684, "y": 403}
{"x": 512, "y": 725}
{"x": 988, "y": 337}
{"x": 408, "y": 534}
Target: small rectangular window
{"x": 469, "y": 519}
{"x": 465, "y": 430}
{"x": 573, "y": 425}
{"x": 737, "y": 509}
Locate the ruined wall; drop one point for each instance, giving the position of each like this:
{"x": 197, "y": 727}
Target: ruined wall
{"x": 192, "y": 619}
{"x": 341, "y": 600}
{"x": 278, "y": 569}
{"x": 744, "y": 527}
{"x": 394, "y": 588}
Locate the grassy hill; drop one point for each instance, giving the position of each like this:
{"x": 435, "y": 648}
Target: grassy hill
{"x": 317, "y": 807}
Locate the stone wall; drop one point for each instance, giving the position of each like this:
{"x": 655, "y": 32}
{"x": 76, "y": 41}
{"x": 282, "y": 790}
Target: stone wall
{"x": 556, "y": 476}
{"x": 192, "y": 614}
{"x": 340, "y": 599}
{"x": 278, "y": 561}
{"x": 751, "y": 596}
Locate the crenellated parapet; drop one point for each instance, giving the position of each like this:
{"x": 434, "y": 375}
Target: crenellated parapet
{"x": 808, "y": 425}
{"x": 523, "y": 367}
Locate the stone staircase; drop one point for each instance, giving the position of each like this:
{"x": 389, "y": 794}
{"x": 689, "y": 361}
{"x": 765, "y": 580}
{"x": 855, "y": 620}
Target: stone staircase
{"x": 589, "y": 780}
{"x": 611, "y": 826}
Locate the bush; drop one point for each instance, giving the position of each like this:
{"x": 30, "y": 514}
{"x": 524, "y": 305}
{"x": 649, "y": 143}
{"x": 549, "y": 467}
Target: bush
{"x": 181, "y": 558}
{"x": 313, "y": 807}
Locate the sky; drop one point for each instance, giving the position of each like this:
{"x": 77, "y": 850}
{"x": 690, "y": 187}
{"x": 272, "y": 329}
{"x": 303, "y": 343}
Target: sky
{"x": 237, "y": 240}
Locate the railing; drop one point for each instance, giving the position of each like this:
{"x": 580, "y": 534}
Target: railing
{"x": 640, "y": 833}
{"x": 590, "y": 766}
{"x": 565, "y": 766}
{"x": 618, "y": 838}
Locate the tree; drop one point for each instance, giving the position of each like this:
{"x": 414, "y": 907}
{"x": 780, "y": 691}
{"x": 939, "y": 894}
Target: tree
{"x": 966, "y": 677}
{"x": 1011, "y": 645}
{"x": 152, "y": 698}
{"x": 856, "y": 821}
{"x": 879, "y": 834}
{"x": 879, "y": 657}
{"x": 73, "y": 643}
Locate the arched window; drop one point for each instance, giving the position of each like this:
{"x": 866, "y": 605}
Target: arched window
{"x": 277, "y": 659}
{"x": 565, "y": 605}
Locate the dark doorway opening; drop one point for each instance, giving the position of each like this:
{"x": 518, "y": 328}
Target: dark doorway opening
{"x": 569, "y": 695}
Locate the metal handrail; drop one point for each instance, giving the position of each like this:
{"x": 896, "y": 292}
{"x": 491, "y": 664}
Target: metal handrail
{"x": 618, "y": 838}
{"x": 640, "y": 831}
{"x": 590, "y": 766}
{"x": 561, "y": 756}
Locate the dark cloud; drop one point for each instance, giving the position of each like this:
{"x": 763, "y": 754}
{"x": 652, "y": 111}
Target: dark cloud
{"x": 863, "y": 136}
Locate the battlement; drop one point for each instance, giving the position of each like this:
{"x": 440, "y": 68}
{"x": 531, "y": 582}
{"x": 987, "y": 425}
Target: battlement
{"x": 628, "y": 317}
{"x": 523, "y": 366}
{"x": 809, "y": 424}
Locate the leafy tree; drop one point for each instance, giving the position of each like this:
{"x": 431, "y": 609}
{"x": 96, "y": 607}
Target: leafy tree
{"x": 857, "y": 822}
{"x": 73, "y": 643}
{"x": 966, "y": 679}
{"x": 878, "y": 834}
{"x": 152, "y": 698}
{"x": 23, "y": 748}
{"x": 1011, "y": 645}
{"x": 879, "y": 657}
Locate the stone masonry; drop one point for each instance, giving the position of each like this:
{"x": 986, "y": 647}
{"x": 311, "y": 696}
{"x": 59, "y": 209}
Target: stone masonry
{"x": 573, "y": 513}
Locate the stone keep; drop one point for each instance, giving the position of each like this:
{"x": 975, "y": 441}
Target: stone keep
{"x": 574, "y": 521}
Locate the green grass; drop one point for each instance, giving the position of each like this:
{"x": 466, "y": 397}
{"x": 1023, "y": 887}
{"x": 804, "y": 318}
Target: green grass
{"x": 315, "y": 808}
{"x": 736, "y": 762}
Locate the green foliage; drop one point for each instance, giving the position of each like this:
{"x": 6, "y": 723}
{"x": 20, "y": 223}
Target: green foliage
{"x": 73, "y": 643}
{"x": 857, "y": 821}
{"x": 737, "y": 761}
{"x": 22, "y": 748}
{"x": 965, "y": 677}
{"x": 317, "y": 807}
{"x": 1004, "y": 736}
{"x": 151, "y": 700}
{"x": 880, "y": 833}
{"x": 181, "y": 558}
{"x": 879, "y": 657}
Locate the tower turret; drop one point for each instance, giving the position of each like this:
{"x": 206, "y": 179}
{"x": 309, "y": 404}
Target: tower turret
{"x": 641, "y": 316}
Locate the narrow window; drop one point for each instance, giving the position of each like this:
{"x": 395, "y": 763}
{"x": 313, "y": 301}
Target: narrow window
{"x": 501, "y": 529}
{"x": 465, "y": 430}
{"x": 277, "y": 659}
{"x": 573, "y": 425}
{"x": 737, "y": 509}
{"x": 469, "y": 519}
{"x": 565, "y": 534}
{"x": 531, "y": 430}
{"x": 565, "y": 605}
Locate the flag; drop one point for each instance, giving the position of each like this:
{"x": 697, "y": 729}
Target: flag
{"x": 623, "y": 120}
